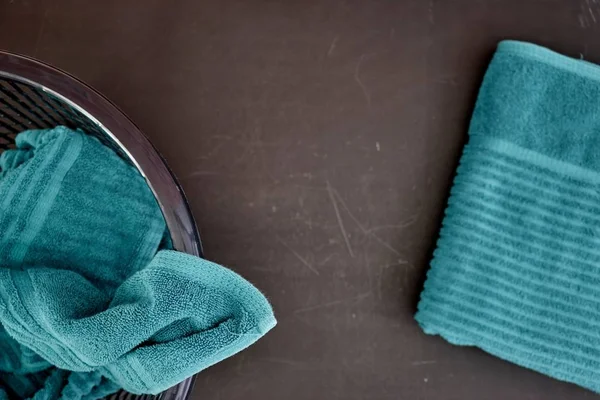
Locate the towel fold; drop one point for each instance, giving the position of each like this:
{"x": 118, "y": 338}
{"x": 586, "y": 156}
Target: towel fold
{"x": 517, "y": 265}
{"x": 89, "y": 300}
{"x": 175, "y": 317}
{"x": 68, "y": 202}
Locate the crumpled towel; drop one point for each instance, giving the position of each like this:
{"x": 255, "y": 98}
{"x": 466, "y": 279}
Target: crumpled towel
{"x": 85, "y": 285}
{"x": 516, "y": 271}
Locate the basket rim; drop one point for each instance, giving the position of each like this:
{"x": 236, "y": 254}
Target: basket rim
{"x": 123, "y": 131}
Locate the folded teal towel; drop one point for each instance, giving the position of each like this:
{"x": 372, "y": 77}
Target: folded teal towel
{"x": 84, "y": 286}
{"x": 516, "y": 270}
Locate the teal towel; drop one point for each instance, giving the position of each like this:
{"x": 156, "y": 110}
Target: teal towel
{"x": 85, "y": 286}
{"x": 69, "y": 202}
{"x": 516, "y": 270}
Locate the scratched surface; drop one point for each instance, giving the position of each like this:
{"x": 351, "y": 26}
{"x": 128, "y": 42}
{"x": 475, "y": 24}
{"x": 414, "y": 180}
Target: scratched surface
{"x": 316, "y": 141}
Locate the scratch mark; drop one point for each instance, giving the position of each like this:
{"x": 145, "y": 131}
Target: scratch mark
{"x": 587, "y": 16}
{"x": 298, "y": 256}
{"x": 339, "y": 218}
{"x": 363, "y": 229}
{"x": 380, "y": 283}
{"x": 384, "y": 244}
{"x": 369, "y": 232}
{"x": 332, "y": 46}
{"x": 329, "y": 257}
{"x": 369, "y": 274}
{"x": 424, "y": 362}
{"x": 357, "y": 78}
{"x": 402, "y": 225}
{"x": 214, "y": 151}
{"x": 392, "y": 33}
{"x": 333, "y": 303}
{"x": 399, "y": 262}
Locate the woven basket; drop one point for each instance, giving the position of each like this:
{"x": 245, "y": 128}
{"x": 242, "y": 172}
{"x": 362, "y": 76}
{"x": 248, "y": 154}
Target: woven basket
{"x": 34, "y": 95}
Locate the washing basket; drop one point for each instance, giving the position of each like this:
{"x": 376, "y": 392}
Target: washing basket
{"x": 34, "y": 95}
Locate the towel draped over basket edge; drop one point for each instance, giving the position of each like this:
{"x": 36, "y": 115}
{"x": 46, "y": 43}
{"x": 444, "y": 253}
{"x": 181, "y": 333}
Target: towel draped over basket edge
{"x": 84, "y": 283}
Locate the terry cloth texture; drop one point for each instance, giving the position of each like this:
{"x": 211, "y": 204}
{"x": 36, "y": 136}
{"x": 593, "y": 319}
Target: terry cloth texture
{"x": 89, "y": 302}
{"x": 516, "y": 270}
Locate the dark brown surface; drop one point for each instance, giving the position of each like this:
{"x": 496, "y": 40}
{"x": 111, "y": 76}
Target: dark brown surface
{"x": 293, "y": 125}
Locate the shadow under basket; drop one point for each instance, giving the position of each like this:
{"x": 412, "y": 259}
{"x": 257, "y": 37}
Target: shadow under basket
{"x": 34, "y": 95}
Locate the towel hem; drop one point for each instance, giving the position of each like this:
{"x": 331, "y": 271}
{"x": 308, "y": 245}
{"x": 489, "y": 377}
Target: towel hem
{"x": 547, "y": 56}
{"x": 538, "y": 159}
